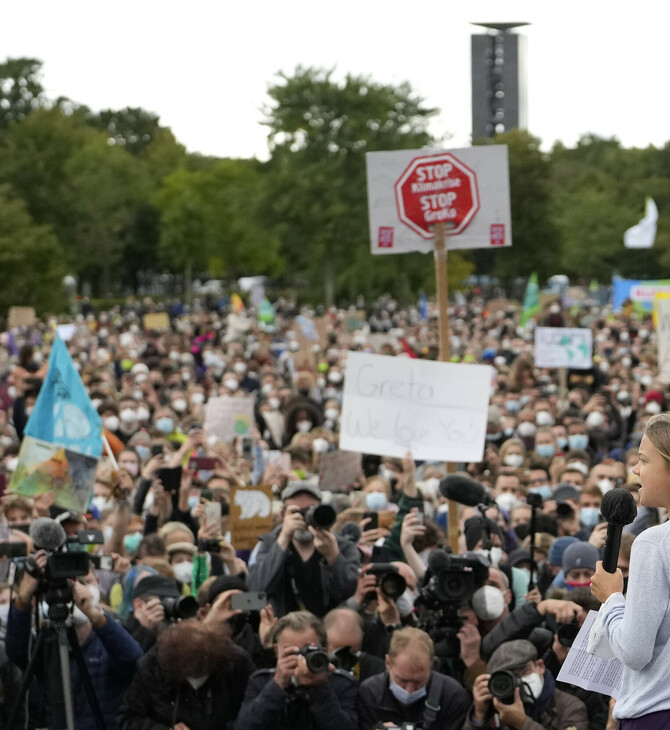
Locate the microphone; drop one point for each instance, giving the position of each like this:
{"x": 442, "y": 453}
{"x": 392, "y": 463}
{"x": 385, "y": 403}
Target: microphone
{"x": 464, "y": 490}
{"x": 351, "y": 530}
{"x": 437, "y": 560}
{"x": 47, "y": 534}
{"x": 618, "y": 508}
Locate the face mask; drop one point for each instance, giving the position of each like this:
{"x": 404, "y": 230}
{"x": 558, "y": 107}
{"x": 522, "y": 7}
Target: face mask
{"x": 128, "y": 415}
{"x": 405, "y": 697}
{"x": 96, "y": 403}
{"x": 626, "y": 362}
{"x": 4, "y": 614}
{"x": 605, "y": 485}
{"x": 488, "y": 603}
{"x": 507, "y": 501}
{"x": 544, "y": 418}
{"x": 197, "y": 399}
{"x": 578, "y": 441}
{"x": 589, "y": 516}
{"x": 78, "y": 617}
{"x": 512, "y": 406}
{"x": 332, "y": 414}
{"x": 144, "y": 452}
{"x": 376, "y": 501}
{"x": 652, "y": 407}
{"x": 515, "y": 460}
{"x": 267, "y": 387}
{"x": 527, "y": 429}
{"x": 508, "y": 432}
{"x": 534, "y": 684}
{"x": 646, "y": 380}
{"x": 571, "y": 584}
{"x": 193, "y": 502}
{"x": 546, "y": 451}
{"x": 179, "y": 405}
{"x": 240, "y": 368}
{"x": 544, "y": 491}
{"x": 165, "y": 425}
{"x": 101, "y": 504}
{"x": 230, "y": 383}
{"x": 111, "y": 423}
{"x": 108, "y": 532}
{"x": 12, "y": 463}
{"x": 335, "y": 377}
{"x": 183, "y": 571}
{"x": 143, "y": 414}
{"x": 320, "y": 445}
{"x": 132, "y": 542}
{"x": 274, "y": 403}
{"x": 595, "y": 419}
{"x": 405, "y": 603}
{"x": 561, "y": 442}
{"x": 304, "y": 426}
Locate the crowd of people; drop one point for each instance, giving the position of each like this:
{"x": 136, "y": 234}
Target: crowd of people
{"x": 369, "y": 621}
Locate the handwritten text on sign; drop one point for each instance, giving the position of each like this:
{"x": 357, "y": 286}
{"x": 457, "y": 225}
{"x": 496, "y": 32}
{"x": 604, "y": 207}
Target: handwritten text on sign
{"x": 563, "y": 347}
{"x": 435, "y": 410}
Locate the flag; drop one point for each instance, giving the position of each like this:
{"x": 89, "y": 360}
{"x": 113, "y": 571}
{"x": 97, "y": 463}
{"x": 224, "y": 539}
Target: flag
{"x": 643, "y": 234}
{"x": 237, "y": 303}
{"x": 423, "y": 307}
{"x": 531, "y": 300}
{"x": 266, "y": 313}
{"x": 63, "y": 413}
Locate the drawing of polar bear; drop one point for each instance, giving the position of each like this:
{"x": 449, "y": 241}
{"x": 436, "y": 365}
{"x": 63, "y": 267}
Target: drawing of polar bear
{"x": 253, "y": 502}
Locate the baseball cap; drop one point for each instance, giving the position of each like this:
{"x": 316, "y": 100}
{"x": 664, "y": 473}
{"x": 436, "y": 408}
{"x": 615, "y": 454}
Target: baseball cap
{"x": 580, "y": 555}
{"x": 512, "y": 655}
{"x": 297, "y": 487}
{"x": 565, "y": 491}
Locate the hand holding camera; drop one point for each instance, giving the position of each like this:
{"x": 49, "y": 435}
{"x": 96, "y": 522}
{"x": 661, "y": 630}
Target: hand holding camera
{"x": 150, "y": 614}
{"x": 293, "y": 520}
{"x": 314, "y": 666}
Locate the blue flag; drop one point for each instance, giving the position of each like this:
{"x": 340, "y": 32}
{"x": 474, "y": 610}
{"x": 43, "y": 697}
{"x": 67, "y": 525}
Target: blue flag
{"x": 423, "y": 307}
{"x": 63, "y": 413}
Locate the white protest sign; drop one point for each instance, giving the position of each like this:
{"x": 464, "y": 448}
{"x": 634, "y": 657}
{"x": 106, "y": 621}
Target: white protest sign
{"x": 662, "y": 322}
{"x": 563, "y": 347}
{"x": 435, "y": 410}
{"x": 410, "y": 190}
{"x": 227, "y": 417}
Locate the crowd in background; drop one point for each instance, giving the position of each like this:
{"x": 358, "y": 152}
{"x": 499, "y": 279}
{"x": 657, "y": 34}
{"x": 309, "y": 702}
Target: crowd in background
{"x": 397, "y": 654}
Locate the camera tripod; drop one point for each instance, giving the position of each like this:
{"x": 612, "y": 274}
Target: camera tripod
{"x": 55, "y": 639}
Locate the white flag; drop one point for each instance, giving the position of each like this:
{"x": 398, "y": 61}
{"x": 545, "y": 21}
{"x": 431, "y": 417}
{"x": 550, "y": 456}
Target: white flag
{"x": 643, "y": 234}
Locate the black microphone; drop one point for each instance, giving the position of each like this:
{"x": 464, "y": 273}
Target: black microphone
{"x": 437, "y": 560}
{"x": 352, "y": 530}
{"x": 618, "y": 508}
{"x": 47, "y": 533}
{"x": 464, "y": 490}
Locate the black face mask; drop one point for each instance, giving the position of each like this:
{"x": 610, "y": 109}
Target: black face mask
{"x": 522, "y": 530}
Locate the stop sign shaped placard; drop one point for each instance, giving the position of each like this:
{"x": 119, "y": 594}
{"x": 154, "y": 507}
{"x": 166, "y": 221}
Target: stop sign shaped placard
{"x": 437, "y": 189}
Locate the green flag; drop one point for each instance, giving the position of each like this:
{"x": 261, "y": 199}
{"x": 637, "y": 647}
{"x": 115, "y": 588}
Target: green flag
{"x": 531, "y": 300}
{"x": 266, "y": 313}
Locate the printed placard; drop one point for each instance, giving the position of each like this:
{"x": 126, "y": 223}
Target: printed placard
{"x": 564, "y": 347}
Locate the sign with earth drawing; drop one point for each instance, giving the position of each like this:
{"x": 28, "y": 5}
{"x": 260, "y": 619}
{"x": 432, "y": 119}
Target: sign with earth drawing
{"x": 563, "y": 347}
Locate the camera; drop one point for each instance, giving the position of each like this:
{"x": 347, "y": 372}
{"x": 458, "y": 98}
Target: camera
{"x": 459, "y": 578}
{"x": 344, "y": 658}
{"x": 182, "y": 607}
{"x": 502, "y": 685}
{"x": 389, "y": 580}
{"x": 321, "y": 516}
{"x": 316, "y": 658}
{"x": 564, "y": 511}
{"x": 209, "y": 545}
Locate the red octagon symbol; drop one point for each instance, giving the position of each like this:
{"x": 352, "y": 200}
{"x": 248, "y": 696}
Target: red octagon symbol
{"x": 437, "y": 189}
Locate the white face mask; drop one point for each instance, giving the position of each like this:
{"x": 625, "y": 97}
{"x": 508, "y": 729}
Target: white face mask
{"x": 595, "y": 419}
{"x": 111, "y": 423}
{"x": 534, "y": 684}
{"x": 332, "y": 414}
{"x": 4, "y": 613}
{"x": 179, "y": 405}
{"x": 274, "y": 403}
{"x": 488, "y": 603}
{"x": 514, "y": 460}
{"x": 507, "y": 501}
{"x": 304, "y": 426}
{"x": 320, "y": 445}
{"x": 526, "y": 429}
{"x": 197, "y": 399}
{"x": 230, "y": 383}
{"x": 183, "y": 571}
{"x": 652, "y": 407}
{"x": 544, "y": 418}
{"x": 405, "y": 603}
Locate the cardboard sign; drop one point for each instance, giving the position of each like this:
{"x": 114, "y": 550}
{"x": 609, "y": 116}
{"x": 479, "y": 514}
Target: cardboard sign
{"x": 250, "y": 515}
{"x": 338, "y": 470}
{"x": 304, "y": 360}
{"x": 563, "y": 347}
{"x": 21, "y": 317}
{"x": 156, "y": 321}
{"x": 410, "y": 190}
{"x": 227, "y": 417}
{"x": 662, "y": 324}
{"x": 436, "y": 410}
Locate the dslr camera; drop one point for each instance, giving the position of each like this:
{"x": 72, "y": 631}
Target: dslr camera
{"x": 316, "y": 658}
{"x": 389, "y": 580}
{"x": 321, "y": 516}
{"x": 502, "y": 685}
{"x": 180, "y": 608}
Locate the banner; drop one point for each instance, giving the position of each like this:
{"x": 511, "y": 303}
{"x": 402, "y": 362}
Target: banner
{"x": 640, "y": 293}
{"x": 250, "y": 515}
{"x": 662, "y": 325}
{"x": 227, "y": 417}
{"x": 563, "y": 347}
{"x": 436, "y": 410}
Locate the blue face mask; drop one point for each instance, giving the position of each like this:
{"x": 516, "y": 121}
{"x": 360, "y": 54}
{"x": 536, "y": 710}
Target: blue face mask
{"x": 132, "y": 542}
{"x": 561, "y": 442}
{"x": 512, "y": 406}
{"x": 144, "y": 452}
{"x": 544, "y": 491}
{"x": 589, "y": 516}
{"x": 546, "y": 451}
{"x": 376, "y": 501}
{"x": 193, "y": 502}
{"x": 405, "y": 697}
{"x": 165, "y": 425}
{"x": 578, "y": 441}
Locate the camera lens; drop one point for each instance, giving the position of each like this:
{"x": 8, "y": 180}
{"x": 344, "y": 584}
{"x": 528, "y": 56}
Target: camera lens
{"x": 316, "y": 659}
{"x": 502, "y": 685}
{"x": 392, "y": 585}
{"x": 322, "y": 515}
{"x": 182, "y": 607}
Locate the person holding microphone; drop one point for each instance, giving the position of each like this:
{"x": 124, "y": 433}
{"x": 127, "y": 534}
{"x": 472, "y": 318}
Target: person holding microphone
{"x": 637, "y": 627}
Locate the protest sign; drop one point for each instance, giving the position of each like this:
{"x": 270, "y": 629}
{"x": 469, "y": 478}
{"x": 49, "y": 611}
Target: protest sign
{"x": 156, "y": 321}
{"x": 227, "y": 417}
{"x": 662, "y": 324}
{"x": 66, "y": 331}
{"x": 411, "y": 190}
{"x": 21, "y": 317}
{"x": 640, "y": 293}
{"x": 304, "y": 360}
{"x": 563, "y": 347}
{"x": 250, "y": 515}
{"x": 338, "y": 470}
{"x": 394, "y": 405}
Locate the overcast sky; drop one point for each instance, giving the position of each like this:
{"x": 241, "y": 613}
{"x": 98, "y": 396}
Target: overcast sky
{"x": 204, "y": 66}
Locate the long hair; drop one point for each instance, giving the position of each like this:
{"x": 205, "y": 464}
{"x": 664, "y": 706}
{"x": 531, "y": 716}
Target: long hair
{"x": 657, "y": 431}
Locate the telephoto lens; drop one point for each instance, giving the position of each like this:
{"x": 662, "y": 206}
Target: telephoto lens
{"x": 389, "y": 580}
{"x": 321, "y": 516}
{"x": 182, "y": 607}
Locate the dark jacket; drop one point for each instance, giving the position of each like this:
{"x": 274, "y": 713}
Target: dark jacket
{"x": 516, "y": 625}
{"x": 329, "y": 706}
{"x": 110, "y": 654}
{"x": 154, "y": 702}
{"x": 269, "y": 574}
{"x": 377, "y": 704}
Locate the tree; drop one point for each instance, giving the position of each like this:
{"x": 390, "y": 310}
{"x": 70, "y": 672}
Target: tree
{"x": 319, "y": 132}
{"x": 21, "y": 89}
{"x": 31, "y": 259}
{"x": 132, "y": 128}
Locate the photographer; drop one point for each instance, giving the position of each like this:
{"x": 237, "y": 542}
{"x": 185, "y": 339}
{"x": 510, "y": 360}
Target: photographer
{"x": 108, "y": 650}
{"x": 148, "y": 613}
{"x": 345, "y": 639}
{"x": 301, "y": 567}
{"x": 292, "y": 697}
{"x": 531, "y": 700}
{"x": 409, "y": 691}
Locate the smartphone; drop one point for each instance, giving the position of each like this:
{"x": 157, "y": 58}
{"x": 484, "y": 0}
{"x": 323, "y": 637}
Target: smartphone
{"x": 421, "y": 517}
{"x": 250, "y": 601}
{"x": 206, "y": 463}
{"x": 247, "y": 448}
{"x": 171, "y": 480}
{"x": 374, "y": 520}
{"x": 13, "y": 549}
{"x": 156, "y": 449}
{"x": 102, "y": 562}
{"x": 213, "y": 513}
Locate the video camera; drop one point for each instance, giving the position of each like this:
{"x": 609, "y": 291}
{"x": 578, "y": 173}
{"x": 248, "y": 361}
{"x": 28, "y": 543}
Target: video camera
{"x": 321, "y": 516}
{"x": 456, "y": 577}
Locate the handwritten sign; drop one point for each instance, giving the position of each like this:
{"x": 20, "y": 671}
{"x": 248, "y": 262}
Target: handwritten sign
{"x": 21, "y": 317}
{"x": 250, "y": 515}
{"x": 662, "y": 324}
{"x": 227, "y": 417}
{"x": 435, "y": 410}
{"x": 563, "y": 347}
{"x": 338, "y": 470}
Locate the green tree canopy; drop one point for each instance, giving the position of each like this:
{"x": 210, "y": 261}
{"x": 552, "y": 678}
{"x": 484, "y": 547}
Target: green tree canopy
{"x": 21, "y": 89}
